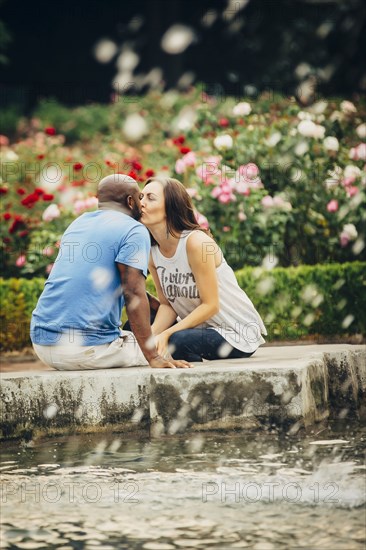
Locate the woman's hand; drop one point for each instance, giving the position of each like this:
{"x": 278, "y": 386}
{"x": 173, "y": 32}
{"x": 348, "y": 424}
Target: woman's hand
{"x": 161, "y": 342}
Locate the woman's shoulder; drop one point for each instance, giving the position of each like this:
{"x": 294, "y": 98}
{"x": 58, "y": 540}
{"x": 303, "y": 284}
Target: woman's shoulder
{"x": 198, "y": 237}
{"x": 201, "y": 245}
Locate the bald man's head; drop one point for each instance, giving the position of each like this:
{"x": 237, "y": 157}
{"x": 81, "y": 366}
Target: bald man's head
{"x": 121, "y": 191}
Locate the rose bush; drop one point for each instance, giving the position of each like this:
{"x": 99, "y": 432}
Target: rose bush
{"x": 277, "y": 184}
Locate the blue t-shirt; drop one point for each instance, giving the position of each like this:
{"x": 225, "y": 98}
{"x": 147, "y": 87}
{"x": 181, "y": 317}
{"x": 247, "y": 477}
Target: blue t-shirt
{"x": 82, "y": 299}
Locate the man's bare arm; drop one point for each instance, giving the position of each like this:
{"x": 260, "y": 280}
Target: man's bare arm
{"x": 138, "y": 312}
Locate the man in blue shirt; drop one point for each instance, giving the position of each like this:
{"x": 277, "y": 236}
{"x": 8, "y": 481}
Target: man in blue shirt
{"x": 101, "y": 266}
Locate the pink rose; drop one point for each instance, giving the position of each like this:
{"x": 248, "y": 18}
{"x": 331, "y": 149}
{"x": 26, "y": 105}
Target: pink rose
{"x": 359, "y": 152}
{"x": 189, "y": 159}
{"x": 192, "y": 192}
{"x": 180, "y": 166}
{"x": 243, "y": 189}
{"x": 52, "y": 211}
{"x": 344, "y": 239}
{"x": 225, "y": 198}
{"x": 201, "y": 219}
{"x": 252, "y": 170}
{"x": 267, "y": 201}
{"x": 208, "y": 168}
{"x": 4, "y": 141}
{"x": 216, "y": 191}
{"x": 349, "y": 180}
{"x": 352, "y": 190}
{"x": 278, "y": 201}
{"x": 48, "y": 251}
{"x": 21, "y": 260}
{"x": 332, "y": 206}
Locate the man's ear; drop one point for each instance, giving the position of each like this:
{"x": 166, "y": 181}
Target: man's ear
{"x": 130, "y": 202}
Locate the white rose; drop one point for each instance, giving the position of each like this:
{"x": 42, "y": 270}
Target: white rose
{"x": 303, "y": 115}
{"x": 351, "y": 171}
{"x": 331, "y": 143}
{"x": 336, "y": 115}
{"x": 330, "y": 183}
{"x": 223, "y": 142}
{"x": 335, "y": 176}
{"x": 10, "y": 155}
{"x": 301, "y": 148}
{"x": 319, "y": 131}
{"x": 361, "y": 131}
{"x": 350, "y": 231}
{"x": 242, "y": 109}
{"x": 319, "y": 107}
{"x": 308, "y": 128}
{"x": 348, "y": 108}
{"x": 274, "y": 139}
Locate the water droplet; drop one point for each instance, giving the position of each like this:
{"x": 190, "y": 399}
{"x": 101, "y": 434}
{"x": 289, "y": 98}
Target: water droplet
{"x": 177, "y": 39}
{"x": 50, "y": 411}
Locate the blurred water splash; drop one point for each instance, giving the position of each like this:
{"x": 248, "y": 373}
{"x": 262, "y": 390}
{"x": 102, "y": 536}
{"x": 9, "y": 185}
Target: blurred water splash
{"x": 105, "y": 50}
{"x": 177, "y": 39}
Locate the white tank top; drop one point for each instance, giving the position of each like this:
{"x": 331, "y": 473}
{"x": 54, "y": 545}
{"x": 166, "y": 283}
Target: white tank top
{"x": 237, "y": 320}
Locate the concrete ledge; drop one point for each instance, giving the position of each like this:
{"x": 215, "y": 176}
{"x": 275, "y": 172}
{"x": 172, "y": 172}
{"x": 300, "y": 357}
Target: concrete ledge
{"x": 289, "y": 387}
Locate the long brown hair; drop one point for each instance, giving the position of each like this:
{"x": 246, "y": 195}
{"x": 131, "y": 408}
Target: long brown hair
{"x": 178, "y": 208}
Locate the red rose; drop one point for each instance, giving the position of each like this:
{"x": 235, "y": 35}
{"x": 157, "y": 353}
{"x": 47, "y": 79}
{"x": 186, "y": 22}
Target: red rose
{"x": 179, "y": 140}
{"x": 224, "y": 122}
{"x": 50, "y": 131}
{"x": 17, "y": 223}
{"x": 136, "y": 165}
{"x": 185, "y": 150}
{"x": 23, "y": 233}
{"x": 3, "y": 190}
{"x": 21, "y": 191}
{"x": 132, "y": 174}
{"x": 39, "y": 191}
{"x": 29, "y": 200}
{"x": 7, "y": 216}
{"x": 149, "y": 173}
{"x": 40, "y": 157}
{"x": 78, "y": 166}
{"x": 48, "y": 197}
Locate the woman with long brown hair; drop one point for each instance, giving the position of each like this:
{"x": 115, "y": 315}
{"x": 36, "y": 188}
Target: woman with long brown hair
{"x": 203, "y": 313}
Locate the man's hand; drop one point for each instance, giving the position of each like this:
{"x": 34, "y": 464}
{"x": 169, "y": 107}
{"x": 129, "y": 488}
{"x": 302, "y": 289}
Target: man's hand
{"x": 160, "y": 363}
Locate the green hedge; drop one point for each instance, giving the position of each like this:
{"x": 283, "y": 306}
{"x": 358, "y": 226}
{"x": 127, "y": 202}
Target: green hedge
{"x": 294, "y": 302}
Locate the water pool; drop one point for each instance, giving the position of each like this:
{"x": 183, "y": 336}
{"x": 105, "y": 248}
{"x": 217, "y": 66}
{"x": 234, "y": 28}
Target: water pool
{"x": 239, "y": 490}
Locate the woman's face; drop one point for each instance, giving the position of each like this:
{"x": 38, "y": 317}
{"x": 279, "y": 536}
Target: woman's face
{"x": 152, "y": 204}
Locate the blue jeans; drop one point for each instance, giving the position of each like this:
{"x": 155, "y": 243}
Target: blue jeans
{"x": 195, "y": 344}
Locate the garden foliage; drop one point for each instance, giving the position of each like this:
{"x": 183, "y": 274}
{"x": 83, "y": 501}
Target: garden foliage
{"x": 294, "y": 302}
{"x": 275, "y": 182}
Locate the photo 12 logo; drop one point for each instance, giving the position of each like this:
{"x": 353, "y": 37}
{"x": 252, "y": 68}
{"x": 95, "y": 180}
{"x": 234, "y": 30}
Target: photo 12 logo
{"x": 269, "y": 492}
{"x": 52, "y": 492}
